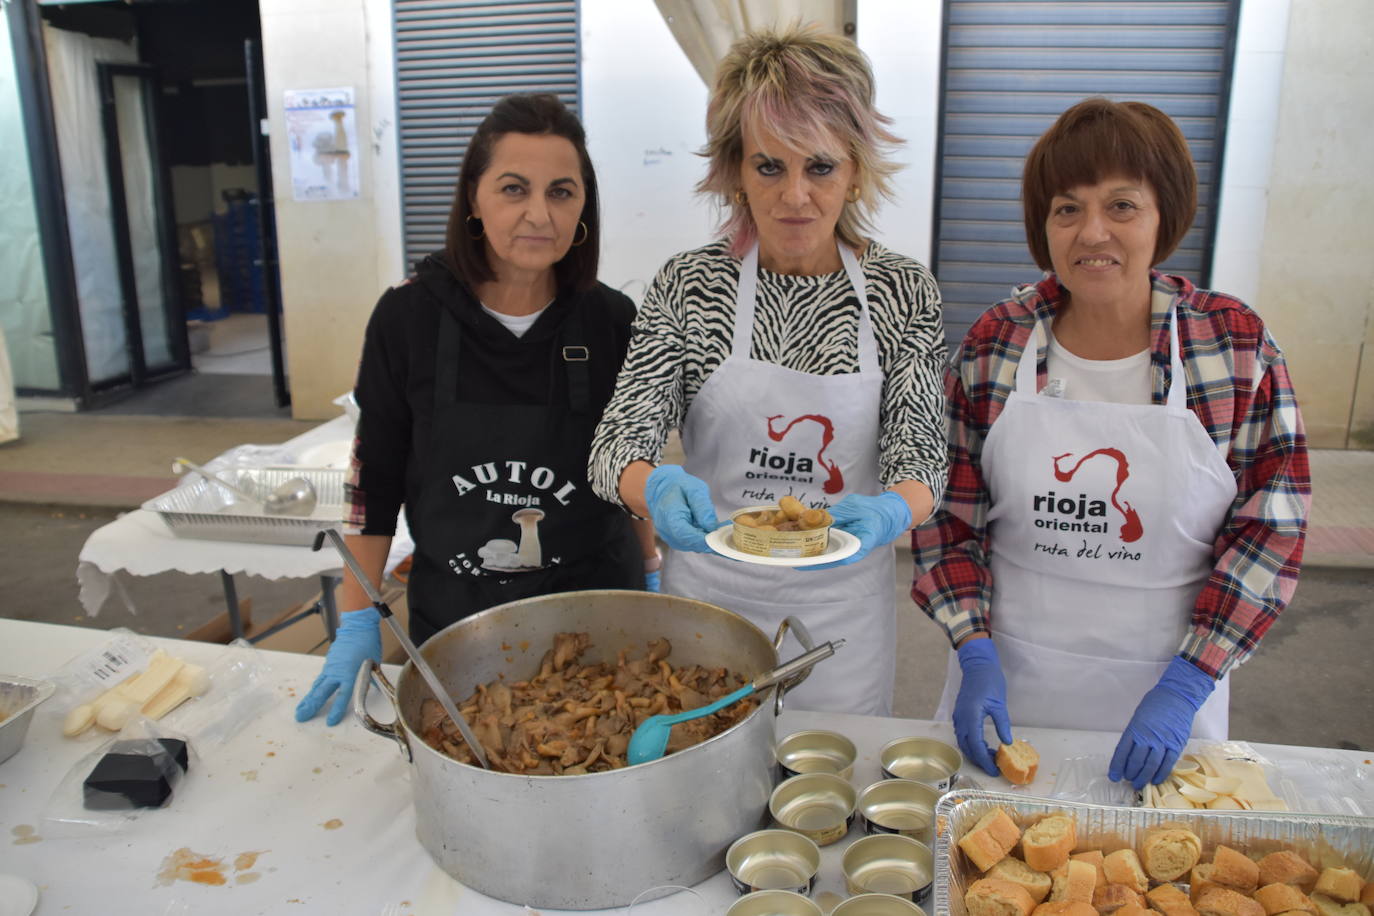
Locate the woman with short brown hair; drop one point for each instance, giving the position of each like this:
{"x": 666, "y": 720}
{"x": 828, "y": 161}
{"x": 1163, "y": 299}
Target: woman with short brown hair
{"x": 1129, "y": 488}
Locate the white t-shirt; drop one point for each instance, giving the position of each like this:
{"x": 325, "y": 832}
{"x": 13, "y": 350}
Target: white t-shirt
{"x": 516, "y": 324}
{"x": 1113, "y": 381}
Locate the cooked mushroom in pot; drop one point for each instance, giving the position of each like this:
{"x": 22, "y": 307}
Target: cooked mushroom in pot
{"x": 572, "y": 718}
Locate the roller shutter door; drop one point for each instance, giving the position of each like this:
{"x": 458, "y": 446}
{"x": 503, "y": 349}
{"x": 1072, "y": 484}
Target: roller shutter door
{"x": 1011, "y": 68}
{"x": 454, "y": 59}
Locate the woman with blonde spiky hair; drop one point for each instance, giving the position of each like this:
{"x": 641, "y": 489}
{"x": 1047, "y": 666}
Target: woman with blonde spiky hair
{"x": 796, "y": 356}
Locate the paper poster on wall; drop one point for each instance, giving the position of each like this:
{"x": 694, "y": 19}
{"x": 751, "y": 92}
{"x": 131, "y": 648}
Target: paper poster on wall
{"x": 322, "y": 132}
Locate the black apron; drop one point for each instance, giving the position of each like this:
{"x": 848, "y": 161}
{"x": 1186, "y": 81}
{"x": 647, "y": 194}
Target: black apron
{"x": 505, "y": 509}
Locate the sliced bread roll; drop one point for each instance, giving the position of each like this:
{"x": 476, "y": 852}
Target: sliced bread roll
{"x": 1094, "y": 858}
{"x": 1283, "y": 898}
{"x": 995, "y": 897}
{"x": 1170, "y": 853}
{"x": 1287, "y": 867}
{"x": 1235, "y": 870}
{"x": 1012, "y": 869}
{"x": 1123, "y": 867}
{"x": 1074, "y": 880}
{"x": 991, "y": 838}
{"x": 1018, "y": 762}
{"x": 1328, "y": 907}
{"x": 1064, "y": 908}
{"x": 1367, "y": 895}
{"x": 1132, "y": 909}
{"x": 1222, "y": 901}
{"x": 1340, "y": 884}
{"x": 1046, "y": 844}
{"x": 1170, "y": 901}
{"x": 1199, "y": 879}
{"x": 1111, "y": 897}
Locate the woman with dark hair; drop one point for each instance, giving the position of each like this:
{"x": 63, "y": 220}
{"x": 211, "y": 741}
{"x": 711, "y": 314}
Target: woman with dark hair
{"x": 794, "y": 334}
{"x": 482, "y": 379}
{"x": 1128, "y": 488}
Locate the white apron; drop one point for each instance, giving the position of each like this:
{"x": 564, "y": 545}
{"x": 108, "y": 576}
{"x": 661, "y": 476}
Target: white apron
{"x": 757, "y": 432}
{"x": 1102, "y": 523}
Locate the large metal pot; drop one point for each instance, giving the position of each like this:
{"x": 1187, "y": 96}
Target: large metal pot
{"x": 592, "y": 841}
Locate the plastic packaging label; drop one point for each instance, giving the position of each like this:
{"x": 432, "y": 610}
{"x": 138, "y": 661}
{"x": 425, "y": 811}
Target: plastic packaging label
{"x": 106, "y": 666}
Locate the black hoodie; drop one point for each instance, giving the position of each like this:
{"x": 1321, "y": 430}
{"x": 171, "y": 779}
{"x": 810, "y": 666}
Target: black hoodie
{"x": 395, "y": 388}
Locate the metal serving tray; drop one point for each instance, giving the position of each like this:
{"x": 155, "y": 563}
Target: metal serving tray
{"x": 19, "y": 696}
{"x": 201, "y": 509}
{"x": 1322, "y": 839}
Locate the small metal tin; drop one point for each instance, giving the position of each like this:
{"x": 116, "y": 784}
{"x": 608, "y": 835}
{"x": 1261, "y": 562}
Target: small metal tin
{"x": 816, "y": 805}
{"x": 925, "y": 760}
{"x": 889, "y": 864}
{"x": 773, "y": 860}
{"x": 900, "y": 806}
{"x": 877, "y": 905}
{"x": 816, "y": 752}
{"x": 773, "y": 903}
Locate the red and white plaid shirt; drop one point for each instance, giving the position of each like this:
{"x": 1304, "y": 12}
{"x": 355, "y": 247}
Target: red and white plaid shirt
{"x": 1238, "y": 387}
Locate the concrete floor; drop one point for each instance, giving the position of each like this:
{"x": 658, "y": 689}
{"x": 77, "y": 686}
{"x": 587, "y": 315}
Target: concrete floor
{"x": 1309, "y": 684}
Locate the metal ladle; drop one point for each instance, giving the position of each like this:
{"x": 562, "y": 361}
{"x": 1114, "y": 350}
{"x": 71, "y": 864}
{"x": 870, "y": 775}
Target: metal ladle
{"x": 294, "y": 496}
{"x": 403, "y": 638}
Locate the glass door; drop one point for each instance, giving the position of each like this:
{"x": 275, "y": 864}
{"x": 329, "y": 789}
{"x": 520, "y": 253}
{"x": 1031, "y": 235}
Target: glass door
{"x": 144, "y": 229}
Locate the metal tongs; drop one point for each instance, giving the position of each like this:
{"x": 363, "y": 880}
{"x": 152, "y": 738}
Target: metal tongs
{"x": 403, "y": 638}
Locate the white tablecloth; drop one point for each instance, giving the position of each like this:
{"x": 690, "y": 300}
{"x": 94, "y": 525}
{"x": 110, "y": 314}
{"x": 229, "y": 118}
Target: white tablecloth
{"x": 141, "y": 544}
{"x": 329, "y": 809}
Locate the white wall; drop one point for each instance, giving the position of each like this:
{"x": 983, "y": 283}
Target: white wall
{"x": 1250, "y": 132}
{"x": 902, "y": 39}
{"x": 336, "y": 256}
{"x": 644, "y": 108}
{"x": 1316, "y": 275}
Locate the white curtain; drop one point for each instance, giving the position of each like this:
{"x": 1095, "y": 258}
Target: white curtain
{"x": 72, "y": 59}
{"x": 705, "y": 29}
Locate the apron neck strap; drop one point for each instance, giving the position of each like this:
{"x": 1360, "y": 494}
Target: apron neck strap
{"x": 748, "y": 293}
{"x": 569, "y": 348}
{"x": 1028, "y": 368}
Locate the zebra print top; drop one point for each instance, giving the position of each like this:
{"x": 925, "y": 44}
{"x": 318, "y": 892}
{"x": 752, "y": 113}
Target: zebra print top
{"x": 809, "y": 324}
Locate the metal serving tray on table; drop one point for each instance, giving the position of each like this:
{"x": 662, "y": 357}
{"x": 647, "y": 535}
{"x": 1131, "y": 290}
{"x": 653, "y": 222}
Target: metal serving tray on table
{"x": 1322, "y": 839}
{"x": 201, "y": 509}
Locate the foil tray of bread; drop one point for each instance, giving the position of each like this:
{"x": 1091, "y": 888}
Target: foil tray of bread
{"x": 200, "y": 509}
{"x": 1326, "y": 841}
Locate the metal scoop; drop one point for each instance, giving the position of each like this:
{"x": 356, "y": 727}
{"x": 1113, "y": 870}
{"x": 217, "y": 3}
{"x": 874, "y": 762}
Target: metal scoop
{"x": 650, "y": 739}
{"x": 294, "y": 496}
{"x": 403, "y": 638}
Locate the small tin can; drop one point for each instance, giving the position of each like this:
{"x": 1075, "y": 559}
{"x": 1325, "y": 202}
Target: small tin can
{"x": 816, "y": 805}
{"x": 888, "y": 863}
{"x": 877, "y": 905}
{"x": 773, "y": 903}
{"x": 768, "y": 860}
{"x": 899, "y": 806}
{"x": 926, "y": 760}
{"x": 816, "y": 752}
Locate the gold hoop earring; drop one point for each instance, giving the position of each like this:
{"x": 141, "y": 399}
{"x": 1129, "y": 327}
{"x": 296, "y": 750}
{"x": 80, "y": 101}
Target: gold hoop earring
{"x": 585, "y": 233}
{"x": 481, "y": 229}
{"x": 854, "y": 194}
{"x": 741, "y": 198}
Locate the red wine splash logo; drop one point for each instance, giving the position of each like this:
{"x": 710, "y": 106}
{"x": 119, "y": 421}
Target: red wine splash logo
{"x": 834, "y": 482}
{"x": 1131, "y": 529}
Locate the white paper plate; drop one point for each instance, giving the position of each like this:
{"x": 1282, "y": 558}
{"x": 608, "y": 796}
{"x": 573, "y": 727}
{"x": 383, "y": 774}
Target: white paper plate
{"x": 18, "y": 896}
{"x": 841, "y": 544}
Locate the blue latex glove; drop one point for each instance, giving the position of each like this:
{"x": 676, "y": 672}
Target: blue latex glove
{"x": 358, "y": 638}
{"x": 653, "y": 581}
{"x": 875, "y": 520}
{"x": 982, "y": 694}
{"x": 681, "y": 507}
{"x": 1158, "y": 732}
